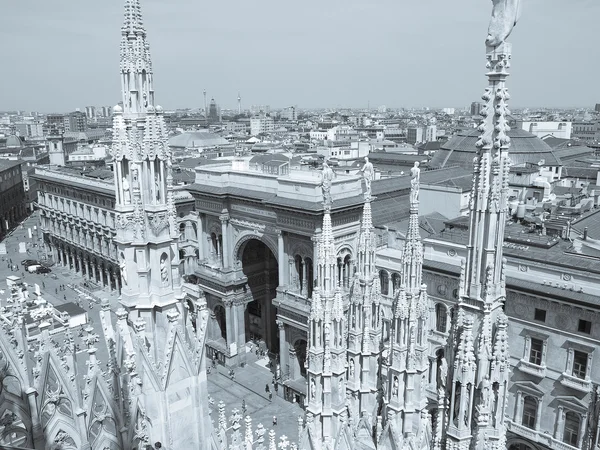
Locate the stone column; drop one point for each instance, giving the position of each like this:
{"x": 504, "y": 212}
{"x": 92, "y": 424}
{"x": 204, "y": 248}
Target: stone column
{"x": 211, "y": 247}
{"x": 283, "y": 351}
{"x": 281, "y": 258}
{"x": 294, "y": 367}
{"x": 560, "y": 423}
{"x": 291, "y": 267}
{"x": 201, "y": 237}
{"x": 303, "y": 271}
{"x": 225, "y": 250}
{"x": 240, "y": 329}
{"x": 519, "y": 408}
{"x": 229, "y": 322}
{"x": 582, "y": 426}
{"x": 538, "y": 416}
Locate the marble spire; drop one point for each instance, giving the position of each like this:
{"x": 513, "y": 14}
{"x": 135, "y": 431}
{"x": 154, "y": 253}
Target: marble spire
{"x": 365, "y": 326}
{"x": 162, "y": 341}
{"x": 406, "y": 399}
{"x": 136, "y": 65}
{"x": 327, "y": 346}
{"x": 481, "y": 368}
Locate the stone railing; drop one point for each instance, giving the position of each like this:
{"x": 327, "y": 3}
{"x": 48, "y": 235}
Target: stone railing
{"x": 294, "y": 300}
{"x": 76, "y": 179}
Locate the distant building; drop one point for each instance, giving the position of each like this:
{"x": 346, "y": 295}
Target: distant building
{"x": 414, "y": 135}
{"x": 55, "y": 121}
{"x": 586, "y": 131}
{"x": 30, "y": 129}
{"x": 75, "y": 121}
{"x": 213, "y": 111}
{"x": 59, "y": 147}
{"x": 260, "y": 109}
{"x": 541, "y": 129}
{"x": 106, "y": 111}
{"x": 597, "y": 108}
{"x": 449, "y": 111}
{"x": 431, "y": 133}
{"x": 90, "y": 112}
{"x": 476, "y": 108}
{"x": 290, "y": 114}
{"x": 263, "y": 124}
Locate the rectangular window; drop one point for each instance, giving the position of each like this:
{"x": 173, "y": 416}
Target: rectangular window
{"x": 535, "y": 355}
{"x": 529, "y": 412}
{"x": 571, "y": 433}
{"x": 585, "y": 326}
{"x": 579, "y": 364}
{"x": 540, "y": 315}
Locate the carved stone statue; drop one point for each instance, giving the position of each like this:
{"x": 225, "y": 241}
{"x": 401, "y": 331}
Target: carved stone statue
{"x": 415, "y": 175}
{"x": 368, "y": 175}
{"x": 351, "y": 369}
{"x": 485, "y": 392}
{"x": 134, "y": 178}
{"x": 505, "y": 14}
{"x": 126, "y": 192}
{"x": 123, "y": 269}
{"x": 157, "y": 187}
{"x": 443, "y": 372}
{"x": 313, "y": 389}
{"x": 164, "y": 272}
{"x": 326, "y": 181}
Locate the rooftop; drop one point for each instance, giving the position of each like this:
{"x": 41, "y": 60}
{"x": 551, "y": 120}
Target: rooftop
{"x": 524, "y": 148}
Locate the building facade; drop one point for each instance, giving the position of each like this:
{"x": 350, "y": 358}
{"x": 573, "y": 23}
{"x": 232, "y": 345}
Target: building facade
{"x": 12, "y": 195}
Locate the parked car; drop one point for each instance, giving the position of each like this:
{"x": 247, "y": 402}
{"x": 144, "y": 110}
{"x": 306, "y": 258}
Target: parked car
{"x": 27, "y": 262}
{"x": 43, "y": 269}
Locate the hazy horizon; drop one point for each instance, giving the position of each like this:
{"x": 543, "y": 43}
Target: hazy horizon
{"x": 65, "y": 55}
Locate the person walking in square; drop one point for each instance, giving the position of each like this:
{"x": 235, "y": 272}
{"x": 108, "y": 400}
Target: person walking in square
{"x": 274, "y": 420}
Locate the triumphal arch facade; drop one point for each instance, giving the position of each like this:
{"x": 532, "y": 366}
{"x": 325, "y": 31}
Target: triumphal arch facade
{"x": 258, "y": 228}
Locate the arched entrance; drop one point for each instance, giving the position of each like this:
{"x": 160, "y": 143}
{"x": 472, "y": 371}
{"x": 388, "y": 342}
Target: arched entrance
{"x": 260, "y": 267}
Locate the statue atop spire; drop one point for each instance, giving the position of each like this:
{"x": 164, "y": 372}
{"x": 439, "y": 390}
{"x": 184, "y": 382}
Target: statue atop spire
{"x": 327, "y": 177}
{"x": 505, "y": 15}
{"x": 368, "y": 175}
{"x": 415, "y": 178}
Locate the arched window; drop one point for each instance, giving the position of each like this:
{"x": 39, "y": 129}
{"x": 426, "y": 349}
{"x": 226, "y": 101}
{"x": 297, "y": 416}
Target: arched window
{"x": 384, "y": 282}
{"x": 310, "y": 276}
{"x": 395, "y": 282}
{"x": 572, "y": 424}
{"x": 441, "y": 318}
{"x": 346, "y": 271}
{"x": 529, "y": 412}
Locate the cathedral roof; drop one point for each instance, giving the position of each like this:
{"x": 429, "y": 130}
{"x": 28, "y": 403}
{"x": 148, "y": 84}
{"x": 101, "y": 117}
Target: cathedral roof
{"x": 524, "y": 148}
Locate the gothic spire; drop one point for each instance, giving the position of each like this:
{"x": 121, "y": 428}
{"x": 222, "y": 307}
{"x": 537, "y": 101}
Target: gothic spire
{"x": 412, "y": 257}
{"x": 136, "y": 65}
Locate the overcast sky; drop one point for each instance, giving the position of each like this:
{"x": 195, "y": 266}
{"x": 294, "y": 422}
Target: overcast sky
{"x": 60, "y": 55}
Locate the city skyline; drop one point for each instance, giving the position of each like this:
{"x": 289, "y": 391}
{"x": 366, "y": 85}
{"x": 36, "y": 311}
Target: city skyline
{"x": 426, "y": 59}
